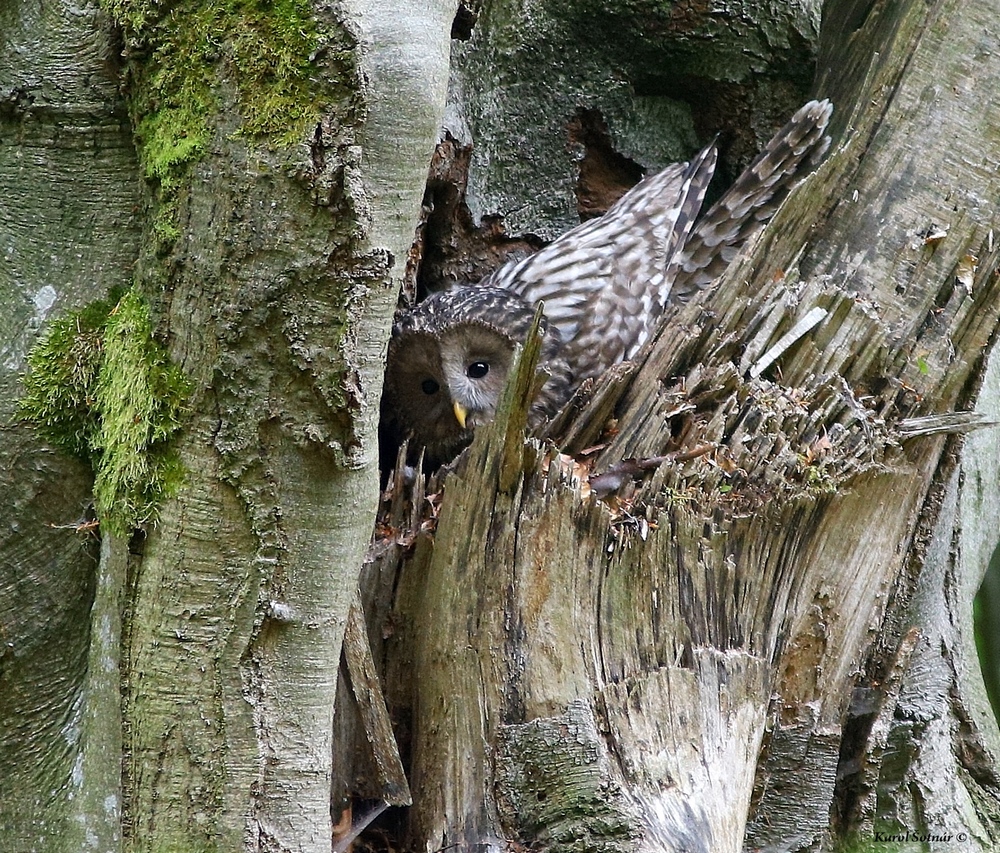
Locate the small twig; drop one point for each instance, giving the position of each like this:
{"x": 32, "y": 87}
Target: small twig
{"x": 619, "y": 474}
{"x": 79, "y": 526}
{"x": 344, "y": 843}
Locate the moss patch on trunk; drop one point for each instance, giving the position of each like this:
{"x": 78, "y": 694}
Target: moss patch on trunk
{"x": 102, "y": 388}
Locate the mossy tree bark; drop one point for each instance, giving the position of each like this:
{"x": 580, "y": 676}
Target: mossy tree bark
{"x": 70, "y": 185}
{"x": 259, "y": 188}
{"x": 764, "y": 641}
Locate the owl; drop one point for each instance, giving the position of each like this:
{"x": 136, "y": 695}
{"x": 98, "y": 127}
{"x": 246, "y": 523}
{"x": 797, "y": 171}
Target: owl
{"x": 604, "y": 285}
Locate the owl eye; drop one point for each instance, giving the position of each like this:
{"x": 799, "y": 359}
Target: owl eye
{"x": 477, "y": 370}
{"x": 429, "y": 387}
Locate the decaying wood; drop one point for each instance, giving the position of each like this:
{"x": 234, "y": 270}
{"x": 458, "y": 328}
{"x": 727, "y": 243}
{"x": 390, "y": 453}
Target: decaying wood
{"x": 711, "y": 651}
{"x": 370, "y": 704}
{"x": 359, "y": 675}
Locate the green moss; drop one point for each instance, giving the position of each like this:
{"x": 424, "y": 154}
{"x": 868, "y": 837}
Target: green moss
{"x": 191, "y": 55}
{"x": 100, "y": 387}
{"x": 59, "y": 391}
{"x": 273, "y": 46}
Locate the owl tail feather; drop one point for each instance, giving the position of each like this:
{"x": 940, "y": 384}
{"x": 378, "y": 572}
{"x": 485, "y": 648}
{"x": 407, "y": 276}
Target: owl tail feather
{"x": 790, "y": 156}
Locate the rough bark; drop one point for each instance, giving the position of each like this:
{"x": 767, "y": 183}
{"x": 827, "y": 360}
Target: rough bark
{"x": 556, "y": 106}
{"x": 769, "y": 628}
{"x": 265, "y": 539}
{"x": 70, "y": 184}
{"x": 735, "y": 647}
{"x": 272, "y": 266}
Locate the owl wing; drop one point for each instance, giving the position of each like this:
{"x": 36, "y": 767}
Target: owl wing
{"x": 605, "y": 282}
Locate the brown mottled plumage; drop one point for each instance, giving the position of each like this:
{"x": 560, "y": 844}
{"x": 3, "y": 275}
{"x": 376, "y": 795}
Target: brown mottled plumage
{"x": 604, "y": 284}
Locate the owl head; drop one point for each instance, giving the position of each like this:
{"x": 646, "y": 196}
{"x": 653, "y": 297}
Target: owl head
{"x": 449, "y": 359}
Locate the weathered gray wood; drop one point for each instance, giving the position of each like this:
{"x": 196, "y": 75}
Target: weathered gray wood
{"x": 694, "y": 644}
{"x": 370, "y": 704}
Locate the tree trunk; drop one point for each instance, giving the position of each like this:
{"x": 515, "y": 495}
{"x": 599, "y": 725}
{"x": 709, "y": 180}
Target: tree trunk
{"x": 762, "y": 636}
{"x": 70, "y": 184}
{"x": 763, "y": 640}
{"x": 283, "y": 154}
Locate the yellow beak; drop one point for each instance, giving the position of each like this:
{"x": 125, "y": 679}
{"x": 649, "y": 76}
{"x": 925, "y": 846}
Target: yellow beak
{"x": 460, "y": 414}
